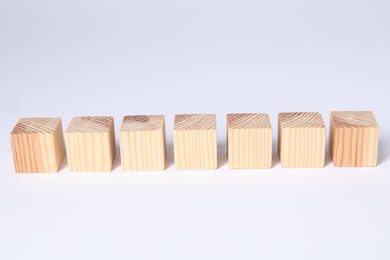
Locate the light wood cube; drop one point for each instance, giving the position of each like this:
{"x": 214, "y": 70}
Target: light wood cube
{"x": 301, "y": 140}
{"x": 38, "y": 145}
{"x": 142, "y": 143}
{"x": 195, "y": 142}
{"x": 90, "y": 144}
{"x": 249, "y": 141}
{"x": 353, "y": 138}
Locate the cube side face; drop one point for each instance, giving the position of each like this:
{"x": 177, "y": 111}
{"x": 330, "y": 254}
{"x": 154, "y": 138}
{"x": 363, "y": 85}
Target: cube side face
{"x": 59, "y": 145}
{"x": 232, "y": 148}
{"x": 332, "y": 134}
{"x": 316, "y": 147}
{"x": 90, "y": 152}
{"x": 142, "y": 150}
{"x": 370, "y": 147}
{"x": 20, "y": 154}
{"x": 195, "y": 149}
{"x": 72, "y": 152}
{"x": 125, "y": 146}
{"x": 284, "y": 145}
{"x": 112, "y": 144}
{"x": 17, "y": 155}
{"x": 35, "y": 153}
{"x": 279, "y": 136}
{"x": 302, "y": 147}
{"x": 354, "y": 146}
{"x": 250, "y": 148}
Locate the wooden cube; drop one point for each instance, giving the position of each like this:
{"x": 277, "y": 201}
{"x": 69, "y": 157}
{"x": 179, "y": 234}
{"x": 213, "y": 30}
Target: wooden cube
{"x": 301, "y": 140}
{"x": 38, "y": 145}
{"x": 353, "y": 138}
{"x": 90, "y": 144}
{"x": 195, "y": 142}
{"x": 142, "y": 143}
{"x": 249, "y": 141}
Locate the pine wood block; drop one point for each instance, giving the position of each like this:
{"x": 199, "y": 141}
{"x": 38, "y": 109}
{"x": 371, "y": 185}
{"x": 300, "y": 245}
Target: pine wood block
{"x": 301, "y": 140}
{"x": 142, "y": 143}
{"x": 195, "y": 142}
{"x": 353, "y": 138}
{"x": 249, "y": 141}
{"x": 38, "y": 145}
{"x": 90, "y": 144}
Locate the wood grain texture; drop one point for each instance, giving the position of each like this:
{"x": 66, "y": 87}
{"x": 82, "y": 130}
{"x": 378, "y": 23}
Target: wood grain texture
{"x": 38, "y": 145}
{"x": 142, "y": 143}
{"x": 90, "y": 144}
{"x": 195, "y": 142}
{"x": 249, "y": 141}
{"x": 301, "y": 140}
{"x": 353, "y": 138}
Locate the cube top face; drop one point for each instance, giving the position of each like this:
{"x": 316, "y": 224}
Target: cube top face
{"x": 301, "y": 120}
{"x": 248, "y": 121}
{"x": 195, "y": 122}
{"x": 143, "y": 123}
{"x": 353, "y": 119}
{"x": 90, "y": 124}
{"x": 36, "y": 125}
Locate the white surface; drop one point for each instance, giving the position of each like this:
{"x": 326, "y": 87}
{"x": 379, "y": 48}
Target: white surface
{"x": 68, "y": 58}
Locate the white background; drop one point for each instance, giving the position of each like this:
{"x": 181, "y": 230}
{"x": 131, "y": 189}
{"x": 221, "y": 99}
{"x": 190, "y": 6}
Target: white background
{"x": 69, "y": 58}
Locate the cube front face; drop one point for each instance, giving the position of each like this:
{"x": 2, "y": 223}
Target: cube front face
{"x": 302, "y": 140}
{"x": 142, "y": 143}
{"x": 249, "y": 141}
{"x": 195, "y": 142}
{"x": 90, "y": 144}
{"x": 353, "y": 139}
{"x": 38, "y": 145}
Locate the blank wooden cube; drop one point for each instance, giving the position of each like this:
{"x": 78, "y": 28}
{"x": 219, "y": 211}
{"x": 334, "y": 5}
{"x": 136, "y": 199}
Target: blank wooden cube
{"x": 249, "y": 139}
{"x": 142, "y": 143}
{"x": 195, "y": 142}
{"x": 301, "y": 140}
{"x": 38, "y": 145}
{"x": 353, "y": 138}
{"x": 90, "y": 144}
